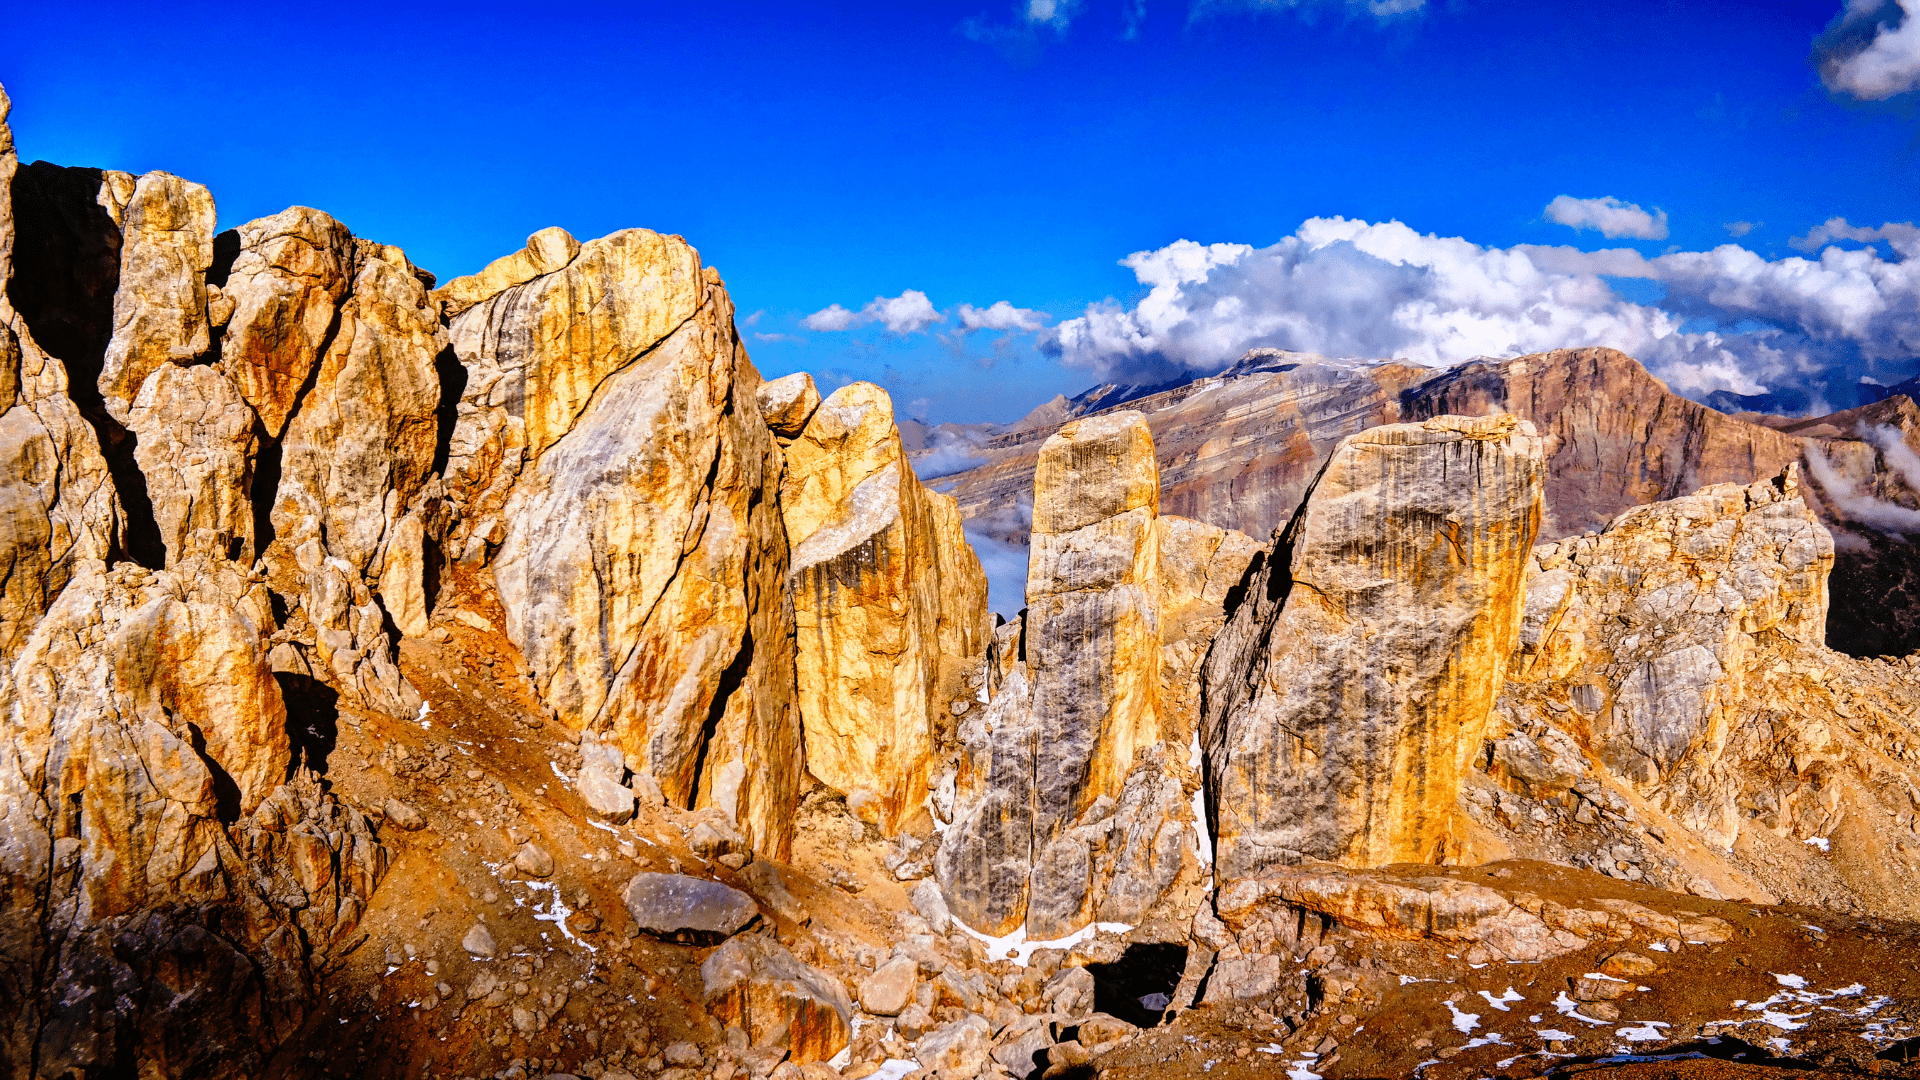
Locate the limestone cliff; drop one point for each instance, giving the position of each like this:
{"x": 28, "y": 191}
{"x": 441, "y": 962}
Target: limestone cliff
{"x": 889, "y": 603}
{"x": 1347, "y": 695}
{"x": 1072, "y": 800}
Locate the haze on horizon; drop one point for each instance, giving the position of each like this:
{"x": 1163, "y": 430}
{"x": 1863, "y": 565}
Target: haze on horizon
{"x": 980, "y": 205}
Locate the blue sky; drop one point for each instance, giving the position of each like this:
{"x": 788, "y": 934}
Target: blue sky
{"x": 984, "y": 152}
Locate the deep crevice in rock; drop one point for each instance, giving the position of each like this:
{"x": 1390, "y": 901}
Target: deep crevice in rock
{"x": 453, "y": 384}
{"x": 730, "y": 684}
{"x": 313, "y": 721}
{"x": 66, "y": 268}
{"x": 1139, "y": 986}
{"x": 226, "y": 793}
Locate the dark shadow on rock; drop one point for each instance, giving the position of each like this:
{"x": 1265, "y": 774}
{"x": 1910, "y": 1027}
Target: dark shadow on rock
{"x": 313, "y": 720}
{"x": 66, "y": 268}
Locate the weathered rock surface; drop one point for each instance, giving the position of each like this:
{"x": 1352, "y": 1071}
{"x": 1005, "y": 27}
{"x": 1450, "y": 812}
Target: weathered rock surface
{"x": 1347, "y": 696}
{"x": 1069, "y": 806}
{"x": 672, "y": 904}
{"x": 1616, "y": 437}
{"x": 1236, "y": 450}
{"x": 754, "y": 983}
{"x": 1675, "y": 659}
{"x": 609, "y": 465}
{"x": 887, "y": 598}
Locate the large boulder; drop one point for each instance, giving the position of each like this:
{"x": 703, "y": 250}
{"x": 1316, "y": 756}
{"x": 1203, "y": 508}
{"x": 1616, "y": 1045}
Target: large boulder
{"x": 1351, "y": 688}
{"x": 677, "y": 906}
{"x": 754, "y": 983}
{"x": 887, "y": 595}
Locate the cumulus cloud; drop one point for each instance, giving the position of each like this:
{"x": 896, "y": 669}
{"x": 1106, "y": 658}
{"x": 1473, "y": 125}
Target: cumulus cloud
{"x": 904, "y": 314}
{"x": 831, "y": 317}
{"x": 1731, "y": 320}
{"x": 1001, "y": 316}
{"x": 1738, "y": 229}
{"x": 1612, "y": 217}
{"x": 1871, "y": 51}
{"x": 1903, "y": 237}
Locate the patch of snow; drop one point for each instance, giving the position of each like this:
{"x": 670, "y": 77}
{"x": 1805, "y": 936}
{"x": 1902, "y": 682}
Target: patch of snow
{"x": 1193, "y": 752}
{"x": 341, "y": 565}
{"x": 425, "y": 708}
{"x": 894, "y": 1069}
{"x": 1791, "y": 982}
{"x": 565, "y": 781}
{"x": 1780, "y": 1045}
{"x": 1501, "y": 1001}
{"x": 556, "y": 913}
{"x": 1016, "y": 947}
{"x": 603, "y": 825}
{"x": 1299, "y": 1071}
{"x": 1570, "y": 1007}
{"x": 842, "y": 1059}
{"x": 1647, "y": 1031}
{"x": 1205, "y": 850}
{"x": 1534, "y": 1019}
{"x": 1658, "y": 946}
{"x": 1822, "y": 843}
{"x": 1489, "y": 1039}
{"x": 1271, "y": 1048}
{"x": 1554, "y": 1034}
{"x": 1462, "y": 1021}
{"x": 1210, "y": 1063}
{"x": 1598, "y": 975}
{"x": 1783, "y": 1021}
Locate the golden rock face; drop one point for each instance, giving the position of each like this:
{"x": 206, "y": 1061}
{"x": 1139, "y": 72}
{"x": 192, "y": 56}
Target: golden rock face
{"x": 1348, "y": 695}
{"x": 886, "y": 593}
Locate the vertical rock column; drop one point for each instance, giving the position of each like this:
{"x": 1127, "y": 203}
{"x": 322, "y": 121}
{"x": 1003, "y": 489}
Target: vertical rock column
{"x": 1346, "y": 695}
{"x": 886, "y": 593}
{"x": 1093, "y": 641}
{"x": 1045, "y": 765}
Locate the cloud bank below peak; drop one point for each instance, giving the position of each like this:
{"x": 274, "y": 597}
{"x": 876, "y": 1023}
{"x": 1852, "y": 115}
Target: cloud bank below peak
{"x": 1802, "y": 329}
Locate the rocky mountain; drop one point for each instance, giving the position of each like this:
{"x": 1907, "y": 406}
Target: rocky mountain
{"x": 500, "y": 678}
{"x": 1239, "y": 449}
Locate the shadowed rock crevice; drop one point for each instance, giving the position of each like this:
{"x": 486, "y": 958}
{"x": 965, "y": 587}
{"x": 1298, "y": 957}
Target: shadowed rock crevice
{"x": 313, "y": 720}
{"x": 1139, "y": 986}
{"x": 66, "y": 268}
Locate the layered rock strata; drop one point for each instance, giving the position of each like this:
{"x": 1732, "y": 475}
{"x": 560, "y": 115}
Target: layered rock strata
{"x": 889, "y": 600}
{"x": 1347, "y": 695}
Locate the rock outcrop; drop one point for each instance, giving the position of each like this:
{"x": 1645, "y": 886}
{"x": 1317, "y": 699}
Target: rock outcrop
{"x": 1347, "y": 695}
{"x": 610, "y": 467}
{"x": 1672, "y": 663}
{"x": 1071, "y": 804}
{"x": 1616, "y": 437}
{"x": 889, "y": 601}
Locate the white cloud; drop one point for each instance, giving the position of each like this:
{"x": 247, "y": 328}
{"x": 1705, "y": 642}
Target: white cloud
{"x": 1609, "y": 215}
{"x": 907, "y": 313}
{"x": 831, "y": 317}
{"x": 1738, "y": 229}
{"x": 1903, "y": 237}
{"x": 1382, "y": 10}
{"x": 1054, "y": 13}
{"x": 1001, "y": 316}
{"x": 1872, "y": 49}
{"x": 1349, "y": 288}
